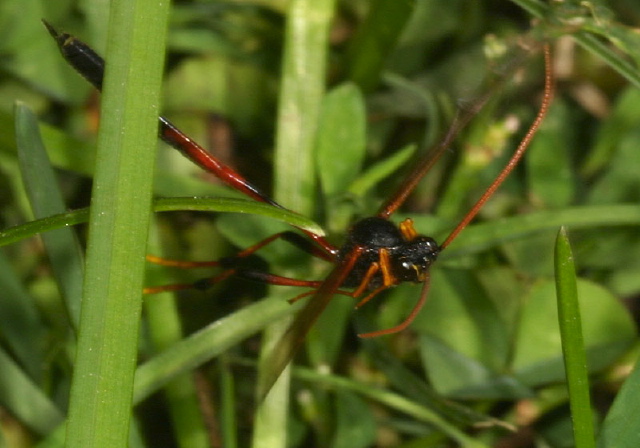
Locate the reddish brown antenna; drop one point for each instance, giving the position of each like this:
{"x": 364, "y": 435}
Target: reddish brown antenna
{"x": 517, "y": 155}
{"x": 460, "y": 122}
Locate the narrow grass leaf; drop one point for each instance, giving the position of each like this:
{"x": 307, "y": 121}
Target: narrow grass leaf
{"x": 63, "y": 247}
{"x": 23, "y": 330}
{"x": 25, "y": 400}
{"x": 301, "y": 92}
{"x": 101, "y": 390}
{"x": 399, "y": 403}
{"x": 164, "y": 330}
{"x": 208, "y": 343}
{"x": 375, "y": 40}
{"x": 575, "y": 358}
{"x": 482, "y": 236}
{"x": 381, "y": 170}
{"x": 229, "y": 424}
{"x": 238, "y": 206}
{"x": 222, "y": 205}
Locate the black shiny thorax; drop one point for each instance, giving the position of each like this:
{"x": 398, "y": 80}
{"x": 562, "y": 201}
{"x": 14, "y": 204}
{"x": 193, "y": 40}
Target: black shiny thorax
{"x": 409, "y": 256}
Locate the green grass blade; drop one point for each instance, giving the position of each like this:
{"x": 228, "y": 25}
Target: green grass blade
{"x": 228, "y": 403}
{"x": 222, "y": 205}
{"x": 302, "y": 89}
{"x": 45, "y": 197}
{"x": 102, "y": 387}
{"x": 22, "y": 327}
{"x": 575, "y": 358}
{"x": 33, "y": 228}
{"x": 482, "y": 236}
{"x": 381, "y": 170}
{"x": 238, "y": 206}
{"x": 208, "y": 343}
{"x": 397, "y": 402}
{"x": 25, "y": 400}
{"x": 375, "y": 40}
{"x": 165, "y": 330}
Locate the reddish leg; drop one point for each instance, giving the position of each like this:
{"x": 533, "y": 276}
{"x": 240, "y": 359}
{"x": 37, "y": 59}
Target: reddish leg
{"x": 404, "y": 324}
{"x": 231, "y": 269}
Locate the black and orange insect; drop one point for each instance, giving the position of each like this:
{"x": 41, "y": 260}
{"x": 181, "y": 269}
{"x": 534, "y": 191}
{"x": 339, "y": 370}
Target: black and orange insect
{"x": 376, "y": 254}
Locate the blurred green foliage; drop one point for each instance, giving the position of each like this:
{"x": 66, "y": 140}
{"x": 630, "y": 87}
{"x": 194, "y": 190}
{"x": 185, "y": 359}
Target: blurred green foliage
{"x": 396, "y": 73}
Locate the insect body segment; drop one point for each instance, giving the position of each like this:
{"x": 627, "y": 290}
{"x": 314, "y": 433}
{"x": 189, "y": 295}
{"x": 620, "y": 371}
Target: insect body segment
{"x": 400, "y": 253}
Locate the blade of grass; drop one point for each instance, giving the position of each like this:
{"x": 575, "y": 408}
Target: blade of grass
{"x": 375, "y": 40}
{"x": 102, "y": 386}
{"x": 165, "y": 330}
{"x": 45, "y": 197}
{"x": 476, "y": 238}
{"x": 228, "y": 205}
{"x": 25, "y": 400}
{"x": 302, "y": 89}
{"x": 199, "y": 348}
{"x": 485, "y": 235}
{"x": 394, "y": 401}
{"x": 575, "y": 358}
{"x": 208, "y": 343}
{"x": 238, "y": 206}
{"x": 228, "y": 403}
{"x": 22, "y": 327}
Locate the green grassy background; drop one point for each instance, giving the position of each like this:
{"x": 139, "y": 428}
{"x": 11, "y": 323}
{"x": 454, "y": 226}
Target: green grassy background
{"x": 324, "y": 105}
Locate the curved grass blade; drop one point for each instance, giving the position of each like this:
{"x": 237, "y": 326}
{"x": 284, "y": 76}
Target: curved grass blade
{"x": 207, "y": 343}
{"x": 222, "y": 205}
{"x": 395, "y": 401}
{"x": 482, "y": 236}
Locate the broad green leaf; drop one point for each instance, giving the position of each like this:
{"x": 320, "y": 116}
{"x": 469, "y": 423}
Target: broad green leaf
{"x": 607, "y": 328}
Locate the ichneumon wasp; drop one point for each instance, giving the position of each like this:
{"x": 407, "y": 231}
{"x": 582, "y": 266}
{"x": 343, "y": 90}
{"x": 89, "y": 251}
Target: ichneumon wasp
{"x": 376, "y": 254}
